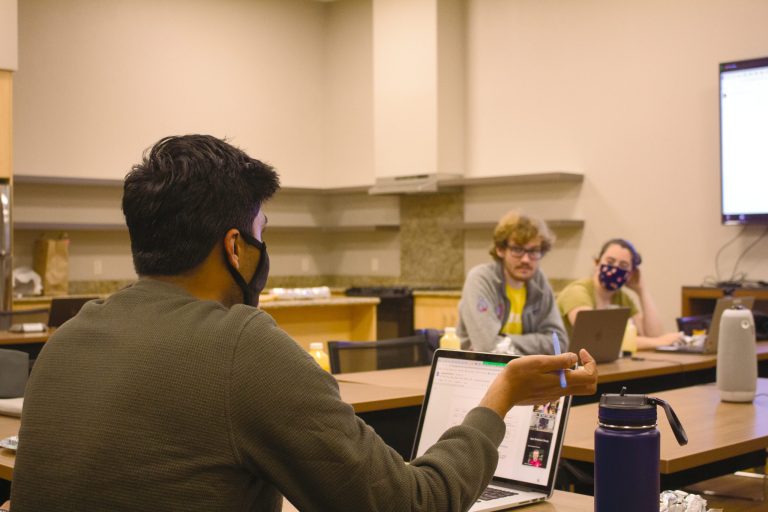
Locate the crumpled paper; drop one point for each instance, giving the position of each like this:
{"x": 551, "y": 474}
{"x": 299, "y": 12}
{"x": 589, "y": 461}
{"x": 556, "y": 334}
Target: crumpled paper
{"x": 681, "y": 501}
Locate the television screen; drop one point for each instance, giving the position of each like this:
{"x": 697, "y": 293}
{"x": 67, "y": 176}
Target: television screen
{"x": 744, "y": 141}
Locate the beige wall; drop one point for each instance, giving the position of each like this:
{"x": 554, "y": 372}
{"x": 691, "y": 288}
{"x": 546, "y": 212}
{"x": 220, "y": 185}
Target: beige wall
{"x": 623, "y": 92}
{"x": 9, "y": 55}
{"x": 100, "y": 81}
{"x": 349, "y": 100}
{"x": 627, "y": 93}
{"x": 405, "y": 87}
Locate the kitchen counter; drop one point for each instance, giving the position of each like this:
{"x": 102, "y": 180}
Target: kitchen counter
{"x": 303, "y": 303}
{"x": 44, "y": 301}
{"x": 437, "y": 293}
{"x": 305, "y": 320}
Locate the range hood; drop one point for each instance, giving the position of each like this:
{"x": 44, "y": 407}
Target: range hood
{"x": 417, "y": 184}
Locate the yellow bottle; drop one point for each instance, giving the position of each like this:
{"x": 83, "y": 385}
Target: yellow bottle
{"x": 449, "y": 340}
{"x": 629, "y": 343}
{"x": 317, "y": 351}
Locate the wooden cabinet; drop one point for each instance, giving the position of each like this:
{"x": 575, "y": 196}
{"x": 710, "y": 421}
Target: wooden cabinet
{"x": 344, "y": 319}
{"x": 700, "y": 300}
{"x": 435, "y": 310}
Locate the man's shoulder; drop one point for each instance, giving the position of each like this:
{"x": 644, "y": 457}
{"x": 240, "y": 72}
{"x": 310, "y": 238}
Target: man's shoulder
{"x": 486, "y": 271}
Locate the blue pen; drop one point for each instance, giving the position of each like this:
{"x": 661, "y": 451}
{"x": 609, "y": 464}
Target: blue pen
{"x": 556, "y": 343}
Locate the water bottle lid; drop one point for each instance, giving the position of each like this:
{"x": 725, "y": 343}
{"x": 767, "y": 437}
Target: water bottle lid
{"x": 637, "y": 412}
{"x": 316, "y": 345}
{"x": 450, "y": 330}
{"x": 626, "y": 410}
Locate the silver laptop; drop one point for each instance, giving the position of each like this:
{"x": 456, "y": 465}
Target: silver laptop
{"x": 708, "y": 343}
{"x": 601, "y": 332}
{"x": 530, "y": 451}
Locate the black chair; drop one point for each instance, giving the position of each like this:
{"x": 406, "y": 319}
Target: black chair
{"x": 14, "y": 370}
{"x": 433, "y": 339}
{"x": 360, "y": 356}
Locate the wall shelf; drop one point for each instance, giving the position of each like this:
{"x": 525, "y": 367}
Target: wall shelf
{"x": 516, "y": 179}
{"x": 337, "y": 229}
{"x": 30, "y": 179}
{"x": 113, "y": 184}
{"x": 68, "y": 226}
{"x": 82, "y": 226}
{"x": 512, "y": 179}
{"x": 552, "y": 223}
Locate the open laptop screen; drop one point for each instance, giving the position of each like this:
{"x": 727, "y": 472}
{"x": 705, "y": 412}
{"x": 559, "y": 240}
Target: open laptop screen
{"x": 528, "y": 454}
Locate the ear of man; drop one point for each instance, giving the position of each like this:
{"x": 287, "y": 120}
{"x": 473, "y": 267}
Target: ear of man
{"x": 232, "y": 249}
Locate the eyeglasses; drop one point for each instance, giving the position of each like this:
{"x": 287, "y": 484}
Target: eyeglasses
{"x": 533, "y": 253}
{"x": 623, "y": 265}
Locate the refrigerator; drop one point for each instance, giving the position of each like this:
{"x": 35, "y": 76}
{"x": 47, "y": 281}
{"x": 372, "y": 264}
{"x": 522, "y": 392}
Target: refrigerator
{"x": 6, "y": 255}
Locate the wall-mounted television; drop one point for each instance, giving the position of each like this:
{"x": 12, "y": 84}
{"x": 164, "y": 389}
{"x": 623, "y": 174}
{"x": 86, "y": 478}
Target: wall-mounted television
{"x": 744, "y": 141}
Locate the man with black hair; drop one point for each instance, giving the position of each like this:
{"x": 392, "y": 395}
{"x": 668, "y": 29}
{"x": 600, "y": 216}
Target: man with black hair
{"x": 177, "y": 394}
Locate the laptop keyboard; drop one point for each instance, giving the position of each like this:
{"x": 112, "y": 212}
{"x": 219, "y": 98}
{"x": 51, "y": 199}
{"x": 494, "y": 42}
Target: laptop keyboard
{"x": 494, "y": 493}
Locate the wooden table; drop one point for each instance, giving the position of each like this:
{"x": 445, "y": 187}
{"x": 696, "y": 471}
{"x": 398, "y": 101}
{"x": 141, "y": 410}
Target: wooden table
{"x": 621, "y": 370}
{"x": 369, "y": 398}
{"x": 650, "y": 372}
{"x": 8, "y": 427}
{"x": 22, "y": 338}
{"x": 721, "y": 435}
{"x": 560, "y": 502}
{"x": 646, "y": 364}
{"x": 412, "y": 378}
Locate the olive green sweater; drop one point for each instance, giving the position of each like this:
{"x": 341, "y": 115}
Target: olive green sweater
{"x": 155, "y": 400}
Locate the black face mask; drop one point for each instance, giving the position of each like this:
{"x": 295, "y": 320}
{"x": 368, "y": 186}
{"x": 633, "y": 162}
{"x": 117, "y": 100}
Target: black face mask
{"x": 252, "y": 290}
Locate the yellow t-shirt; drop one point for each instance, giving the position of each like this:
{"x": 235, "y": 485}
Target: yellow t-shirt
{"x": 516, "y": 298}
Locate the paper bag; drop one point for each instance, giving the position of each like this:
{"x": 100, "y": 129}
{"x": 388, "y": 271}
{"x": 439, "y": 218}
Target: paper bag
{"x": 52, "y": 263}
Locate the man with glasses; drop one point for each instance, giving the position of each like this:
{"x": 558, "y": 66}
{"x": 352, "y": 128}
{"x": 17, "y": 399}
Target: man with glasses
{"x": 507, "y": 305}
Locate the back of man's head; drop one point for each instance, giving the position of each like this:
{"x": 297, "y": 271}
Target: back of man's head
{"x": 183, "y": 197}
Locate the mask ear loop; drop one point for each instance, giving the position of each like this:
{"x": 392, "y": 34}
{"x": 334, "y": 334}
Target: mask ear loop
{"x": 239, "y": 280}
{"x": 674, "y": 421}
{"x": 237, "y": 276}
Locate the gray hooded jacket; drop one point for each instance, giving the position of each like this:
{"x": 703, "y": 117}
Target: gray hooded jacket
{"x": 484, "y": 310}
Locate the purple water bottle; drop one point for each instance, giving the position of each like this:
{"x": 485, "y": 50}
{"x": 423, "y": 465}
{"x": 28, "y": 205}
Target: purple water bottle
{"x": 627, "y": 452}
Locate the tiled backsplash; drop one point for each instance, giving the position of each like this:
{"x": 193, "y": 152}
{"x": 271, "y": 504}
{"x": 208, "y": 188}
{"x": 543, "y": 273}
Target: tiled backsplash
{"x": 432, "y": 239}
